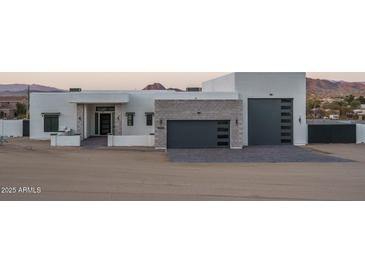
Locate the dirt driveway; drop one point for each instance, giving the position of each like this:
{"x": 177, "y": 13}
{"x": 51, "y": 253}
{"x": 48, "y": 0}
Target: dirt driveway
{"x": 31, "y": 170}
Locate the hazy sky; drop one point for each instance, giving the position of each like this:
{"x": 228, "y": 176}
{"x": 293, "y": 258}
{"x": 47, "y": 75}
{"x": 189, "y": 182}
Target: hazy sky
{"x": 137, "y": 80}
{"x": 108, "y": 80}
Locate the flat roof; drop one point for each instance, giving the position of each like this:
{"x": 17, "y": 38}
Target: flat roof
{"x": 98, "y": 97}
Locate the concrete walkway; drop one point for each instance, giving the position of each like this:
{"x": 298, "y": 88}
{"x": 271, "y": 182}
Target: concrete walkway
{"x": 95, "y": 142}
{"x": 252, "y": 154}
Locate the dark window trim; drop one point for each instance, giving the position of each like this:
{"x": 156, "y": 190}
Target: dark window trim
{"x": 50, "y": 125}
{"x": 130, "y": 118}
{"x": 51, "y": 114}
{"x": 149, "y": 118}
{"x": 104, "y": 108}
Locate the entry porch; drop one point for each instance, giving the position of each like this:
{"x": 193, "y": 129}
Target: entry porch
{"x": 99, "y": 120}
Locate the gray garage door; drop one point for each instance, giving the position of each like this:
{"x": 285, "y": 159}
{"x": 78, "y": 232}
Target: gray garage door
{"x": 197, "y": 134}
{"x": 332, "y": 133}
{"x": 270, "y": 121}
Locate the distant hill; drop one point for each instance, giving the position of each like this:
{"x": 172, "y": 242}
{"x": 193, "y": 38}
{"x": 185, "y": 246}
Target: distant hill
{"x": 328, "y": 88}
{"x": 21, "y": 89}
{"x": 315, "y": 87}
{"x": 158, "y": 86}
{"x": 154, "y": 86}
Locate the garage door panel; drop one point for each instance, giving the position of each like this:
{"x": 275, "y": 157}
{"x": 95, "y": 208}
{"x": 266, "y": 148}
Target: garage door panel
{"x": 197, "y": 134}
{"x": 339, "y": 133}
{"x": 270, "y": 121}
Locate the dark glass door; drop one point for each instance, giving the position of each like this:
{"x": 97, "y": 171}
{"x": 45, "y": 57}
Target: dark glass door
{"x": 105, "y": 123}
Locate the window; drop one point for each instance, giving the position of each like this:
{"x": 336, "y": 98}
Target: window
{"x": 220, "y": 144}
{"x": 149, "y": 118}
{"x": 50, "y": 123}
{"x": 286, "y": 100}
{"x": 130, "y": 119}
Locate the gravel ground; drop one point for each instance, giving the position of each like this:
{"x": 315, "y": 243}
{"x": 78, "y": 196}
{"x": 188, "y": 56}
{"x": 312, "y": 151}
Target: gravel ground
{"x": 139, "y": 174}
{"x": 252, "y": 154}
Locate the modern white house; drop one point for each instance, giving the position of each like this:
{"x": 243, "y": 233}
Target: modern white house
{"x": 232, "y": 111}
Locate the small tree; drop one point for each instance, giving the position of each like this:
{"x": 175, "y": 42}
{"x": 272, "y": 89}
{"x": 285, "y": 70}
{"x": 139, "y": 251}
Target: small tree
{"x": 313, "y": 105}
{"x": 349, "y": 99}
{"x": 21, "y": 110}
{"x": 362, "y": 99}
{"x": 355, "y": 104}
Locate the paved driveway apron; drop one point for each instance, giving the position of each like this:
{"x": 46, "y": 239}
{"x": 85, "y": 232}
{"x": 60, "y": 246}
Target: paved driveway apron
{"x": 252, "y": 154}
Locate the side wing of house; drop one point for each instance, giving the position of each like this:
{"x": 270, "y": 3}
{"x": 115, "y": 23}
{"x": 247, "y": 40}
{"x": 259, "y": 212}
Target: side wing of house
{"x": 273, "y": 105}
{"x": 48, "y": 111}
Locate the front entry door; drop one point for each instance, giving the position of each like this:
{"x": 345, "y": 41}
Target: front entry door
{"x": 105, "y": 123}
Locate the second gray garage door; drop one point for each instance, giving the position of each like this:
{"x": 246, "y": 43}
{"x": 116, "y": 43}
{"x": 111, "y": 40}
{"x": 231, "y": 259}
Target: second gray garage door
{"x": 270, "y": 121}
{"x": 197, "y": 134}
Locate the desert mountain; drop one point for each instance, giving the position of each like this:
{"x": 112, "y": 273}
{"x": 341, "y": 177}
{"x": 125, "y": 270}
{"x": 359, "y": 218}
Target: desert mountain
{"x": 315, "y": 87}
{"x": 328, "y": 88}
{"x": 21, "y": 89}
{"x": 158, "y": 86}
{"x": 154, "y": 86}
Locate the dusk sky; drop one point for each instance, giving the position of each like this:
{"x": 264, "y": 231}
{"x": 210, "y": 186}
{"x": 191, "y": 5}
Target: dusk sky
{"x": 137, "y": 80}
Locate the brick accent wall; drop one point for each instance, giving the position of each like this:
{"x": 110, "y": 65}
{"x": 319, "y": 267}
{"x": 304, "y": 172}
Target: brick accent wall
{"x": 199, "y": 110}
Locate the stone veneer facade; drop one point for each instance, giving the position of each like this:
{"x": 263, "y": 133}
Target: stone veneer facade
{"x": 80, "y": 120}
{"x": 118, "y": 119}
{"x": 199, "y": 110}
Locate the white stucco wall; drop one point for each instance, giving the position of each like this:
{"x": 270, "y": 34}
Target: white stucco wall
{"x": 50, "y": 102}
{"x": 65, "y": 141}
{"x": 138, "y": 102}
{"x": 224, "y": 83}
{"x": 98, "y": 97}
{"x": 11, "y": 128}
{"x": 269, "y": 85}
{"x": 360, "y": 133}
{"x": 131, "y": 140}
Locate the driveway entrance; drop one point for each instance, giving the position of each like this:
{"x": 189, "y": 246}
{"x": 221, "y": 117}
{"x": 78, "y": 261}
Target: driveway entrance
{"x": 252, "y": 154}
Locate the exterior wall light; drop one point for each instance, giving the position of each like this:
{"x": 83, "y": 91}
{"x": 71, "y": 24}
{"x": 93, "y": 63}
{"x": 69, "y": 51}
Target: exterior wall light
{"x": 236, "y": 122}
{"x": 161, "y": 122}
